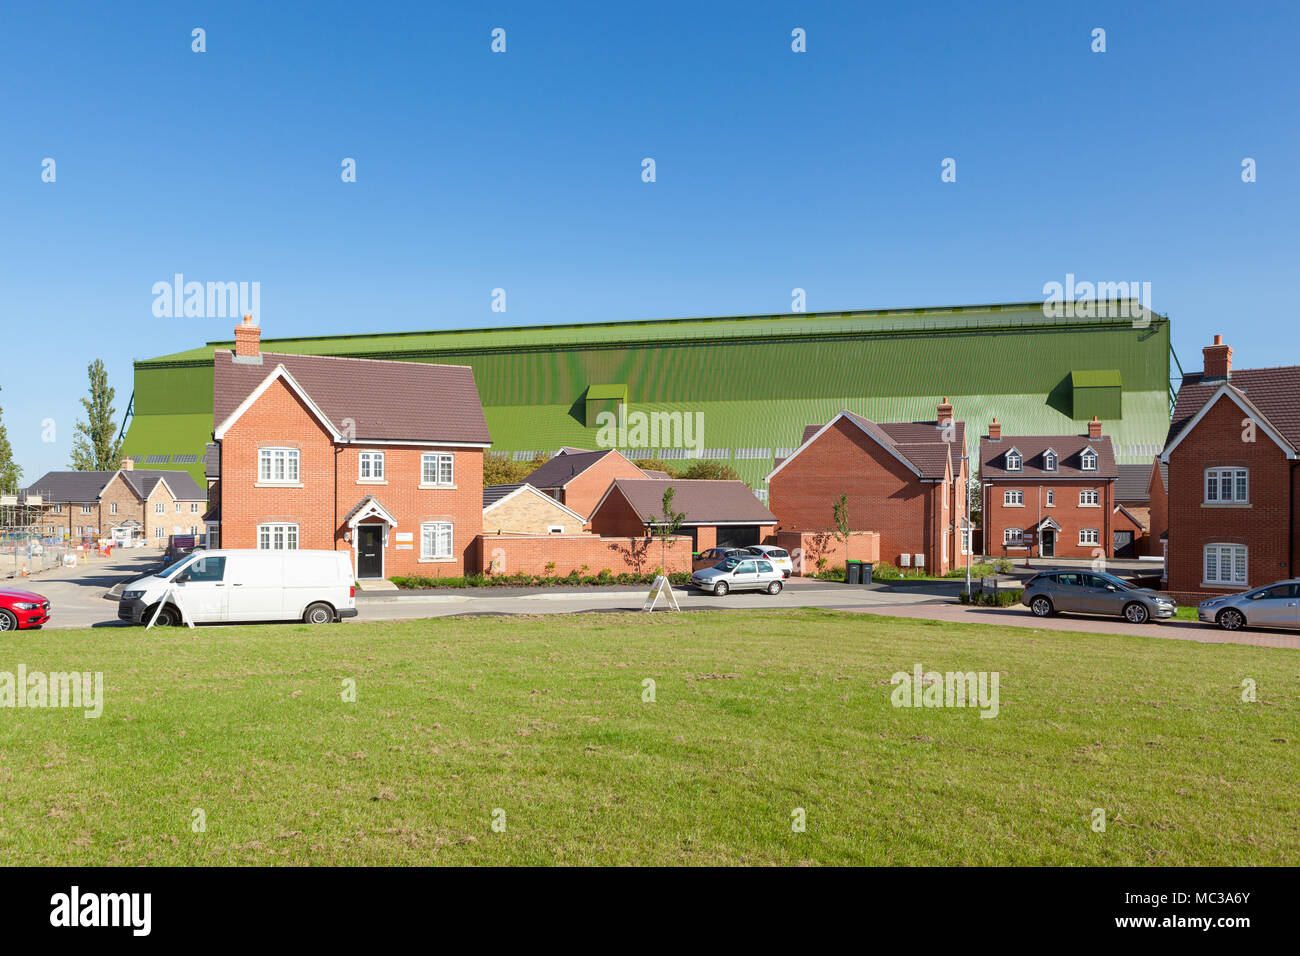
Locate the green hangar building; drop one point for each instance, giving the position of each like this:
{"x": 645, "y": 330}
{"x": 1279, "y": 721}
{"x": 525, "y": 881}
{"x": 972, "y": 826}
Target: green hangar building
{"x": 739, "y": 388}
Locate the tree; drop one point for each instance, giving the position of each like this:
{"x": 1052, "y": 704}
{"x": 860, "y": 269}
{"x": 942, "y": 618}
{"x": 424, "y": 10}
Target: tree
{"x": 840, "y": 515}
{"x": 499, "y": 469}
{"x": 709, "y": 470}
{"x": 97, "y": 446}
{"x": 666, "y": 525}
{"x": 655, "y": 464}
{"x": 10, "y": 473}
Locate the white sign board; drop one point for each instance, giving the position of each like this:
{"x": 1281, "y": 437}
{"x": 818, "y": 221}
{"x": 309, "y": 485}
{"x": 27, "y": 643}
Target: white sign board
{"x": 661, "y": 588}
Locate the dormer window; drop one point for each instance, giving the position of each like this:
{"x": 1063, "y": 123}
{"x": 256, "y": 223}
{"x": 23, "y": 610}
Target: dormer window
{"x": 1049, "y": 460}
{"x": 1089, "y": 460}
{"x": 1013, "y": 460}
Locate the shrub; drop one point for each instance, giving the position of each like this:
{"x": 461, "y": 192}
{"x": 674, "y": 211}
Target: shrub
{"x": 1004, "y": 597}
{"x": 1003, "y": 565}
{"x": 884, "y": 571}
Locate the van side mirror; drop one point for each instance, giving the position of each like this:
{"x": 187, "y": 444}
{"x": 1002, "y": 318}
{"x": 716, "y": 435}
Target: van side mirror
{"x": 182, "y": 577}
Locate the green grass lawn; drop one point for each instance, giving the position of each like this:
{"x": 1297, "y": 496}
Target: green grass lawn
{"x": 756, "y": 714}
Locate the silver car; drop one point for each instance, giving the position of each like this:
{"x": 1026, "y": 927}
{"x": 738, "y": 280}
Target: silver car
{"x": 1087, "y": 592}
{"x": 739, "y": 574}
{"x": 1277, "y": 605}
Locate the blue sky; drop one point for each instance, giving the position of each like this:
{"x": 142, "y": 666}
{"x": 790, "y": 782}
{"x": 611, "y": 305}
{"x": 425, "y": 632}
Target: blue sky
{"x": 522, "y": 170}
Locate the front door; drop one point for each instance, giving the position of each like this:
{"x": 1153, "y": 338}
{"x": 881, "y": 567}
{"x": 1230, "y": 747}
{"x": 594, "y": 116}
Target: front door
{"x": 1049, "y": 542}
{"x": 370, "y": 551}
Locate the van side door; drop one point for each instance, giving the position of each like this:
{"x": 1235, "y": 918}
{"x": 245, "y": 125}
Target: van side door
{"x": 202, "y": 591}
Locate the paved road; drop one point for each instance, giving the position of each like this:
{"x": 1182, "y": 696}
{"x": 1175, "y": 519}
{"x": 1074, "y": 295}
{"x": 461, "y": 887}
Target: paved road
{"x": 76, "y": 595}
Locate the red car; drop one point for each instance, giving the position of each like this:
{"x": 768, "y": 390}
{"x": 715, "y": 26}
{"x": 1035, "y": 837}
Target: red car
{"x": 22, "y": 609}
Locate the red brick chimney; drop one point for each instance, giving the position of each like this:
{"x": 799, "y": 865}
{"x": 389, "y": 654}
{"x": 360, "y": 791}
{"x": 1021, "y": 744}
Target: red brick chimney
{"x": 248, "y": 338}
{"x": 1094, "y": 428}
{"x": 945, "y": 412}
{"x": 995, "y": 430}
{"x": 1218, "y": 359}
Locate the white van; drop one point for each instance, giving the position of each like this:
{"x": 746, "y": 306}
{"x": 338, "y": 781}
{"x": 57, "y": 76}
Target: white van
{"x": 316, "y": 587}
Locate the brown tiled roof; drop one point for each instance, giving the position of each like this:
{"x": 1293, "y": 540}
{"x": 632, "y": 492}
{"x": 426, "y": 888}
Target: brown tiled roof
{"x": 1133, "y": 482}
{"x": 1068, "y": 448}
{"x": 1274, "y": 392}
{"x": 562, "y": 469}
{"x": 386, "y": 400}
{"x": 703, "y": 502}
{"x": 917, "y": 442}
{"x": 651, "y": 473}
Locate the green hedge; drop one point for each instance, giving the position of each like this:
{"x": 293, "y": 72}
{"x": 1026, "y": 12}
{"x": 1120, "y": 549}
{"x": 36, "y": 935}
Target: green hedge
{"x": 1003, "y": 597}
{"x": 534, "y": 580}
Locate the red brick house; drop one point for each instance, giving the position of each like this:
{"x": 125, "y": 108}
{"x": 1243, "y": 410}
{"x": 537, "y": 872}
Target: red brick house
{"x": 718, "y": 513}
{"x": 903, "y": 480}
{"x": 578, "y": 479}
{"x": 1233, "y": 480}
{"x": 1049, "y": 495}
{"x": 380, "y": 458}
{"x": 1158, "y": 507}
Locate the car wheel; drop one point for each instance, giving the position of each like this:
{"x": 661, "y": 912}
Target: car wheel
{"x": 167, "y": 617}
{"x": 720, "y": 589}
{"x": 318, "y": 613}
{"x": 774, "y": 587}
{"x": 1230, "y": 619}
{"x": 7, "y": 621}
{"x": 1136, "y": 613}
{"x": 1041, "y": 606}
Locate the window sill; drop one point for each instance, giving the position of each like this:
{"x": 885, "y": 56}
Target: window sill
{"x": 1011, "y": 506}
{"x": 1089, "y": 506}
{"x": 436, "y": 560}
{"x": 371, "y": 481}
{"x": 1219, "y": 585}
{"x": 435, "y": 487}
{"x": 277, "y": 484}
{"x": 1225, "y": 504}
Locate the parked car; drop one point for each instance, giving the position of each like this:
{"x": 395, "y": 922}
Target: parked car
{"x": 1277, "y": 605}
{"x": 741, "y": 573}
{"x": 779, "y": 557}
{"x": 316, "y": 587}
{"x": 1086, "y": 592}
{"x": 22, "y": 609}
{"x": 710, "y": 557}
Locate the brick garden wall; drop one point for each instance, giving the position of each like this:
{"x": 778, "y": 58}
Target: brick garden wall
{"x": 806, "y": 547}
{"x": 530, "y": 555}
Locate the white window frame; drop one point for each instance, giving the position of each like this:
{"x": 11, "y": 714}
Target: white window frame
{"x": 159, "y": 533}
{"x": 289, "y": 461}
{"x": 370, "y": 466}
{"x": 112, "y": 507}
{"x": 1009, "y": 533}
{"x": 159, "y": 508}
{"x": 965, "y": 540}
{"x": 1049, "y": 460}
{"x": 1231, "y": 478}
{"x": 1088, "y": 460}
{"x": 1013, "y": 498}
{"x": 57, "y": 510}
{"x": 278, "y": 536}
{"x": 1238, "y": 556}
{"x": 1014, "y": 460}
{"x": 441, "y": 462}
{"x": 431, "y": 543}
{"x": 1089, "y": 498}
{"x": 1089, "y": 536}
{"x": 194, "y": 507}
{"x": 1051, "y": 498}
{"x": 86, "y": 510}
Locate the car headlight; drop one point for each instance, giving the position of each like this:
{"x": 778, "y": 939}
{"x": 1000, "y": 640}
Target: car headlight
{"x": 1212, "y": 603}
{"x": 26, "y": 605}
{"x": 132, "y": 595}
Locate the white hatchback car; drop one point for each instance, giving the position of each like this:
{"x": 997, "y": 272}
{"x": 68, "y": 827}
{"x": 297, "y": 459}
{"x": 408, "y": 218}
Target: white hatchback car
{"x": 779, "y": 557}
{"x": 739, "y": 574}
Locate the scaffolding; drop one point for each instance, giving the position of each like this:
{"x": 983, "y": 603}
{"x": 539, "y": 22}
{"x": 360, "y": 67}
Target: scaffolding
{"x": 25, "y": 545}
